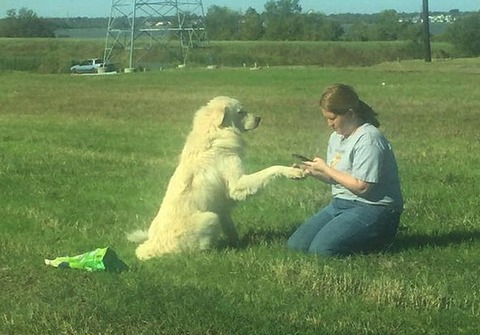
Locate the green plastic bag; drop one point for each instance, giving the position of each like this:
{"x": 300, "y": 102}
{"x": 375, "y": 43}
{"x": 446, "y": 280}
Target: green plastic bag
{"x": 100, "y": 259}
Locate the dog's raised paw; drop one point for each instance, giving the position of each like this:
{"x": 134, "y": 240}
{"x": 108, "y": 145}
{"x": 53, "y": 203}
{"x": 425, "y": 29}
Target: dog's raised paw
{"x": 295, "y": 173}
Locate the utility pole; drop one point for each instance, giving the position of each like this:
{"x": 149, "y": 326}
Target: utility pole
{"x": 426, "y": 32}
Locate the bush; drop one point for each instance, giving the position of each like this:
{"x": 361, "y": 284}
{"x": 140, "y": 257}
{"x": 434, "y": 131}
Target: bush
{"x": 465, "y": 34}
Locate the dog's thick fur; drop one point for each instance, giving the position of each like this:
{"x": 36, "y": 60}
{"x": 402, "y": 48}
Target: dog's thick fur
{"x": 208, "y": 181}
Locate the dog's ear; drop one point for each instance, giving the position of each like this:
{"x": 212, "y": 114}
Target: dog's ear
{"x": 226, "y": 117}
{"x": 223, "y": 111}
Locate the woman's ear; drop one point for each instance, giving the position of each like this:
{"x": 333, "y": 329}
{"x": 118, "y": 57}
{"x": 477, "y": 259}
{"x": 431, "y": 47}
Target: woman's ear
{"x": 351, "y": 113}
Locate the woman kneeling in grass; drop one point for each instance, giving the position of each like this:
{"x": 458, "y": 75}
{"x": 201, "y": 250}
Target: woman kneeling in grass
{"x": 367, "y": 201}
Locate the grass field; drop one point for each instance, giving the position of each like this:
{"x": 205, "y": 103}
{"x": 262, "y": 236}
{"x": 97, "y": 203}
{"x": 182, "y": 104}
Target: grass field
{"x": 85, "y": 159}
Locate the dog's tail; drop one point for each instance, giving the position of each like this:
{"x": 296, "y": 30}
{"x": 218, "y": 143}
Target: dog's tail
{"x": 138, "y": 236}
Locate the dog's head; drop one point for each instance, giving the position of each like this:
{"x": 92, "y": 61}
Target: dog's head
{"x": 230, "y": 113}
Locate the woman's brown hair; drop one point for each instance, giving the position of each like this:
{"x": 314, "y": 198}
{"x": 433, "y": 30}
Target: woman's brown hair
{"x": 340, "y": 99}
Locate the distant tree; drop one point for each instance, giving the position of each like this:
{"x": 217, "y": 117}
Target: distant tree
{"x": 410, "y": 31}
{"x": 25, "y": 23}
{"x": 283, "y": 20}
{"x": 359, "y": 31}
{"x": 252, "y": 25}
{"x": 464, "y": 34}
{"x": 311, "y": 25}
{"x": 331, "y": 31}
{"x": 387, "y": 26}
{"x": 223, "y": 23}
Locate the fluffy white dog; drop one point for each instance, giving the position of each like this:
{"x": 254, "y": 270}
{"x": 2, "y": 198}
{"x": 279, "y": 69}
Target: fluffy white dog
{"x": 209, "y": 179}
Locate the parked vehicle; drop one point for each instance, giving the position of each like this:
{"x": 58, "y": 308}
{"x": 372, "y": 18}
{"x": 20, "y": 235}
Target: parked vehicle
{"x": 93, "y": 65}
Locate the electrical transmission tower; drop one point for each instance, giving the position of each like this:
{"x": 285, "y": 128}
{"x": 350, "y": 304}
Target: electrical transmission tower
{"x": 135, "y": 26}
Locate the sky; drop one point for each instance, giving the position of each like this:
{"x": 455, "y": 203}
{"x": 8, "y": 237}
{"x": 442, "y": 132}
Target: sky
{"x": 101, "y": 8}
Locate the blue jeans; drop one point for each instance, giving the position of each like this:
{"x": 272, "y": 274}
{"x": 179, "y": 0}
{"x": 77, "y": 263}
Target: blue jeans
{"x": 345, "y": 227}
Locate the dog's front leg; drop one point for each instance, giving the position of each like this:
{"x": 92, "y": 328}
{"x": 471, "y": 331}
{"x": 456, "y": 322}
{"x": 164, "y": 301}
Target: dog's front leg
{"x": 250, "y": 184}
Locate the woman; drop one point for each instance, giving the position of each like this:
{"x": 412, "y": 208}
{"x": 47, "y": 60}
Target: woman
{"x": 361, "y": 167}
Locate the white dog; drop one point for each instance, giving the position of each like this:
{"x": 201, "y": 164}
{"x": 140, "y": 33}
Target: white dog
{"x": 208, "y": 180}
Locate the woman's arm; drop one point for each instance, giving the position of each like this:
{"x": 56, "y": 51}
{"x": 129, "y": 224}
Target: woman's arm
{"x": 320, "y": 169}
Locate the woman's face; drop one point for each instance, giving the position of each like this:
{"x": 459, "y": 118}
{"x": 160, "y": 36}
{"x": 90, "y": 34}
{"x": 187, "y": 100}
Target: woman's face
{"x": 343, "y": 124}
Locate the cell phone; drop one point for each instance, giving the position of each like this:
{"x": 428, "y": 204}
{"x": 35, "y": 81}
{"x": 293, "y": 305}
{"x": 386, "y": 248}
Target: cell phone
{"x": 302, "y": 158}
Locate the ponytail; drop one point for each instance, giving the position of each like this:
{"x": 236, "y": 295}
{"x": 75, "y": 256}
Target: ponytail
{"x": 367, "y": 114}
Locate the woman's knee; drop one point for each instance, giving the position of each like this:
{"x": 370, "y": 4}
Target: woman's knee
{"x": 297, "y": 244}
{"x": 302, "y": 238}
{"x": 327, "y": 243}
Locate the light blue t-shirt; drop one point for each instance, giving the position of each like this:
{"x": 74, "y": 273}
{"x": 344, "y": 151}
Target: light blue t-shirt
{"x": 368, "y": 156}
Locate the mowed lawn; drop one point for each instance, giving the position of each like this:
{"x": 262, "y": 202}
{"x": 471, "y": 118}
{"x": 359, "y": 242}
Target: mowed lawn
{"x": 86, "y": 159}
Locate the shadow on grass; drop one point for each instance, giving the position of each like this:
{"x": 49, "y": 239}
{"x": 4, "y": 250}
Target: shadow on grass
{"x": 404, "y": 241}
{"x": 407, "y": 241}
{"x": 264, "y": 236}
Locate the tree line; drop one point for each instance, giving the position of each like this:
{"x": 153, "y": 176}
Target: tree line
{"x": 282, "y": 20}
{"x": 25, "y": 23}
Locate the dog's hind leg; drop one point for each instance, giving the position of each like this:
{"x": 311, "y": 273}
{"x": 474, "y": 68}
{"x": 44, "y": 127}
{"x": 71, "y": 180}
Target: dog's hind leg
{"x": 147, "y": 250}
{"x": 229, "y": 230}
{"x": 196, "y": 233}
{"x": 204, "y": 231}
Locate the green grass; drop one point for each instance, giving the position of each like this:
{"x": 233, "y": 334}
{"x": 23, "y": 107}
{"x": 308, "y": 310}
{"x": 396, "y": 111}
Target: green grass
{"x": 85, "y": 159}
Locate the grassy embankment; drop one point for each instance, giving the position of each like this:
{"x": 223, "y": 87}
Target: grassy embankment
{"x": 57, "y": 55}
